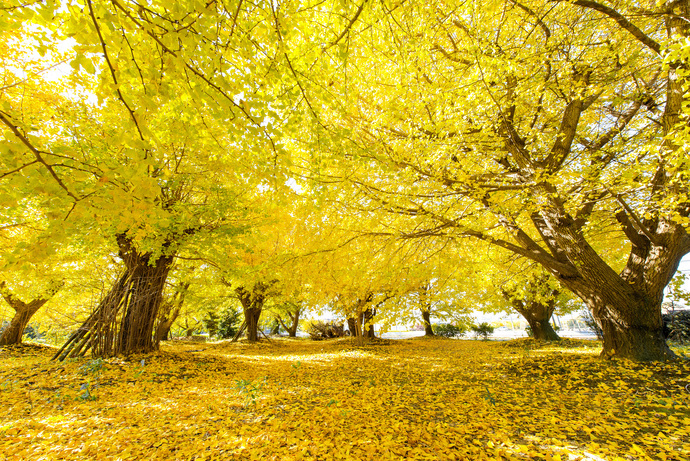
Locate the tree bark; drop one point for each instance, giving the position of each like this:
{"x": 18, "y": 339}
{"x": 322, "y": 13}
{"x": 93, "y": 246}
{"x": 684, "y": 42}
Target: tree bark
{"x": 425, "y": 307}
{"x": 169, "y": 312}
{"x": 124, "y": 320}
{"x": 294, "y": 323}
{"x": 360, "y": 324}
{"x": 251, "y": 316}
{"x": 252, "y": 305}
{"x": 352, "y": 326}
{"x": 635, "y": 333}
{"x": 540, "y": 306}
{"x": 368, "y": 327}
{"x": 626, "y": 305}
{"x": 14, "y": 332}
{"x": 23, "y": 312}
{"x": 539, "y": 323}
{"x": 426, "y": 317}
{"x": 292, "y": 331}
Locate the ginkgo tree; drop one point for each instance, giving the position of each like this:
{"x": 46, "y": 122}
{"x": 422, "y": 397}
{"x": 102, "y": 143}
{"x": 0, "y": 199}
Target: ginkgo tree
{"x": 157, "y": 137}
{"x": 529, "y": 125}
{"x": 440, "y": 285}
{"x": 535, "y": 126}
{"x": 536, "y": 296}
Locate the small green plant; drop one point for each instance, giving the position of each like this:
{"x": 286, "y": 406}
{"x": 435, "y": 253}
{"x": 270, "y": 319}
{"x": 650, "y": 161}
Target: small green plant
{"x": 448, "y": 330}
{"x": 489, "y": 397}
{"x": 86, "y": 390}
{"x": 250, "y": 390}
{"x": 138, "y": 372}
{"x": 222, "y": 324}
{"x": 484, "y": 329}
{"x": 93, "y": 367}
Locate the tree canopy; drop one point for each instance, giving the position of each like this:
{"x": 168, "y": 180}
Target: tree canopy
{"x": 330, "y": 136}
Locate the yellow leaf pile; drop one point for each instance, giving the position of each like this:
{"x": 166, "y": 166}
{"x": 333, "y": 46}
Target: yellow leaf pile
{"x": 417, "y": 399}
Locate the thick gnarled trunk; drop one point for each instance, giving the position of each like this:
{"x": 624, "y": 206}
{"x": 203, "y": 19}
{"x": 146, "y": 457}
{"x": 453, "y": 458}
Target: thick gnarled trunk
{"x": 643, "y": 340}
{"x": 124, "y": 320}
{"x": 23, "y": 313}
{"x": 251, "y": 316}
{"x": 626, "y": 305}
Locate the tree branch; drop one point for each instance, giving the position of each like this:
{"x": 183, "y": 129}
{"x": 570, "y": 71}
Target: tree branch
{"x": 629, "y": 229}
{"x": 36, "y": 153}
{"x": 568, "y": 129}
{"x": 352, "y": 22}
{"x": 112, "y": 70}
{"x": 199, "y": 74}
{"x": 18, "y": 169}
{"x": 638, "y": 224}
{"x": 622, "y": 21}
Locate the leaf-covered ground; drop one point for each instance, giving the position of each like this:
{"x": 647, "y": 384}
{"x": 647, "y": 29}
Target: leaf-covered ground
{"x": 414, "y": 399}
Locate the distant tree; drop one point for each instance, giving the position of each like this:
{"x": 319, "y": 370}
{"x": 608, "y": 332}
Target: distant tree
{"x": 12, "y": 334}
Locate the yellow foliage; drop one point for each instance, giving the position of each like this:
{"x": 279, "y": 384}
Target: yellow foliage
{"x": 290, "y": 400}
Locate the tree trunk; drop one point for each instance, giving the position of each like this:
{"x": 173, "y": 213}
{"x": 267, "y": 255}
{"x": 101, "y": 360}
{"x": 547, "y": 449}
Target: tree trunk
{"x": 634, "y": 332}
{"x": 425, "y": 307}
{"x": 251, "y": 316}
{"x": 276, "y": 328}
{"x": 165, "y": 324}
{"x": 542, "y": 329}
{"x": 367, "y": 324}
{"x": 124, "y": 320}
{"x": 163, "y": 329}
{"x": 426, "y": 317}
{"x": 629, "y": 313}
{"x": 539, "y": 305}
{"x": 294, "y": 319}
{"x": 292, "y": 331}
{"x": 252, "y": 304}
{"x": 23, "y": 313}
{"x": 352, "y": 326}
{"x": 360, "y": 324}
{"x": 626, "y": 305}
{"x": 169, "y": 312}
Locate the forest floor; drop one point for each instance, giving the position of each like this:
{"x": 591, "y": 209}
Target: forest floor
{"x": 427, "y": 399}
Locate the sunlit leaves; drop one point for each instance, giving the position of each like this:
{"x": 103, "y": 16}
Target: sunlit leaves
{"x": 436, "y": 399}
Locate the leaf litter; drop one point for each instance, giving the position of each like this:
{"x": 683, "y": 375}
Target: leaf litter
{"x": 426, "y": 399}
